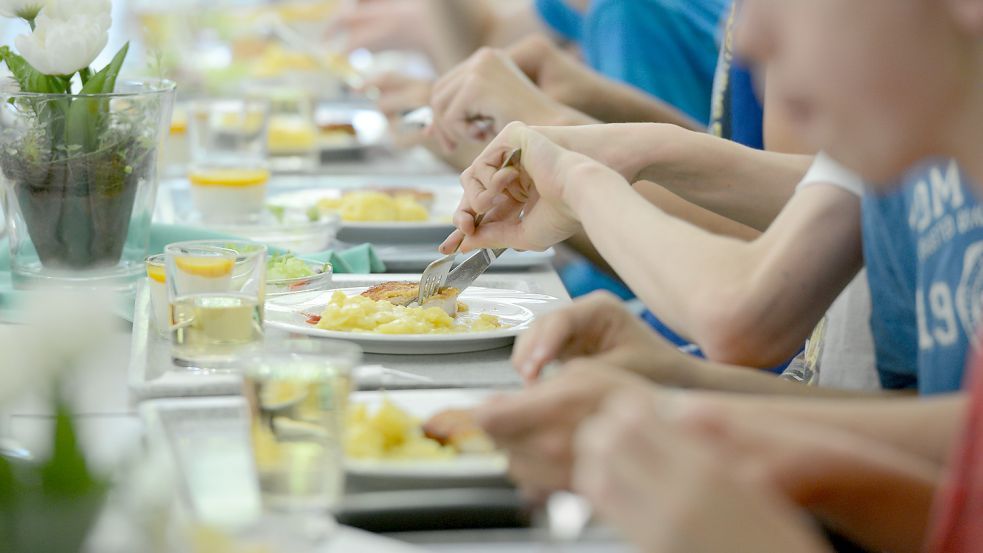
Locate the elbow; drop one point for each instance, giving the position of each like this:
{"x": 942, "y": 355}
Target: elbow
{"x": 734, "y": 330}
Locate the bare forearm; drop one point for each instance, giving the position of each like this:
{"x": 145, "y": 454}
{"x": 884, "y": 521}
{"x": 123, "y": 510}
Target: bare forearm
{"x": 879, "y": 497}
{"x": 462, "y": 26}
{"x": 720, "y": 377}
{"x": 744, "y": 185}
{"x": 923, "y": 427}
{"x": 743, "y": 302}
{"x": 703, "y": 218}
{"x": 654, "y": 253}
{"x": 613, "y": 102}
{"x": 719, "y": 175}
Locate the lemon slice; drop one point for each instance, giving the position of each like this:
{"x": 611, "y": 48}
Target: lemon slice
{"x": 238, "y": 178}
{"x": 278, "y": 393}
{"x": 156, "y": 272}
{"x": 205, "y": 267}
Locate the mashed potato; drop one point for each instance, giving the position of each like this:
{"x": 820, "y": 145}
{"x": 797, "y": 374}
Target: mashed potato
{"x": 389, "y": 433}
{"x": 361, "y": 314}
{"x": 375, "y": 207}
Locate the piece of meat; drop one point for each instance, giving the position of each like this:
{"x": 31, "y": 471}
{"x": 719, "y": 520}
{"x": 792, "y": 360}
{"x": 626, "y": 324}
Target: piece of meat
{"x": 457, "y": 428}
{"x": 399, "y": 293}
{"x": 346, "y": 128}
{"x": 406, "y": 293}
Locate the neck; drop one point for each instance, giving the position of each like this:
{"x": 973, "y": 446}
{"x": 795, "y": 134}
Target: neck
{"x": 967, "y": 144}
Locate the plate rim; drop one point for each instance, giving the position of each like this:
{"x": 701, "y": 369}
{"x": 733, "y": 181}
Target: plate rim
{"x": 501, "y": 334}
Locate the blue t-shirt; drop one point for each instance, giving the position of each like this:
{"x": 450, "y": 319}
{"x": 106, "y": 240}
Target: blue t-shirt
{"x": 667, "y": 48}
{"x": 561, "y": 18}
{"x": 923, "y": 246}
{"x": 736, "y": 112}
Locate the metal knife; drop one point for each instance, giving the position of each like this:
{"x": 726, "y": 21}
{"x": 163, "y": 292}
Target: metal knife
{"x": 465, "y": 274}
{"x": 421, "y": 118}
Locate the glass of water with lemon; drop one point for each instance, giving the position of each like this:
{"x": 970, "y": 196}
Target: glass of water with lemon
{"x": 229, "y": 168}
{"x": 216, "y": 294}
{"x": 297, "y": 392}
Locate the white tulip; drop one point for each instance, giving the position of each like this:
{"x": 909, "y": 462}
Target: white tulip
{"x": 27, "y": 9}
{"x": 61, "y": 332}
{"x": 64, "y": 46}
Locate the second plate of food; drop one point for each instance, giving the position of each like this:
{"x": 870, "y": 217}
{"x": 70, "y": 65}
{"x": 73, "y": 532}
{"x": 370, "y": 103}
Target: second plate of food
{"x": 381, "y": 214}
{"x": 479, "y": 319}
{"x": 419, "y": 434}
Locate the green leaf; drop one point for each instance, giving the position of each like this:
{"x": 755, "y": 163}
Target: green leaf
{"x": 30, "y": 79}
{"x": 104, "y": 81}
{"x": 8, "y": 491}
{"x": 87, "y": 116}
{"x": 65, "y": 473}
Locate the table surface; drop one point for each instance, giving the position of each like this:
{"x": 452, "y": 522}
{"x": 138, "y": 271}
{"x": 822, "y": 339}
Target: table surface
{"x": 110, "y": 428}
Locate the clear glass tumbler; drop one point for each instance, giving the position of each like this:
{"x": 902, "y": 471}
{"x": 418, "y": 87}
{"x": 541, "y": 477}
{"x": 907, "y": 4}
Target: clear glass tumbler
{"x": 216, "y": 292}
{"x": 157, "y": 285}
{"x": 229, "y": 167}
{"x": 297, "y": 392}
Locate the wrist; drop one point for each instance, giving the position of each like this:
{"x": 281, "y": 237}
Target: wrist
{"x": 587, "y": 182}
{"x": 560, "y": 115}
{"x": 653, "y": 152}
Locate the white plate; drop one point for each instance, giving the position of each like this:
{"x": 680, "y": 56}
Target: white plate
{"x": 429, "y": 232}
{"x": 295, "y": 232}
{"x": 423, "y": 404}
{"x": 205, "y": 432}
{"x": 370, "y": 125}
{"x": 514, "y": 308}
{"x": 409, "y": 258}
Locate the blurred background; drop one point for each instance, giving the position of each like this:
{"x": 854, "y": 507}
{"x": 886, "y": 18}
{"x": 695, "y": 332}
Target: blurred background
{"x": 213, "y": 47}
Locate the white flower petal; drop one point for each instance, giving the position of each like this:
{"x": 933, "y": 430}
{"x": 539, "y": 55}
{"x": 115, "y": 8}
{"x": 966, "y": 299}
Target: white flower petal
{"x": 64, "y": 46}
{"x": 20, "y": 8}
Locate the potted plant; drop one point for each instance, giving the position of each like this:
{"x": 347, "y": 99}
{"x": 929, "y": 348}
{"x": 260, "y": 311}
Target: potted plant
{"x": 78, "y": 148}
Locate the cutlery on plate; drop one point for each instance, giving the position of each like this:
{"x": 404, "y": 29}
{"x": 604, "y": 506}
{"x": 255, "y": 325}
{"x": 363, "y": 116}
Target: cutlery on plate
{"x": 568, "y": 514}
{"x": 435, "y": 276}
{"x": 421, "y": 118}
{"x": 417, "y": 119}
{"x": 471, "y": 268}
{"x": 377, "y": 376}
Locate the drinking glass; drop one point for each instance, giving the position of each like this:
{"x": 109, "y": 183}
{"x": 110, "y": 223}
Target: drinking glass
{"x": 297, "y": 392}
{"x": 216, "y": 293}
{"x": 292, "y": 138}
{"x": 157, "y": 284}
{"x": 229, "y": 167}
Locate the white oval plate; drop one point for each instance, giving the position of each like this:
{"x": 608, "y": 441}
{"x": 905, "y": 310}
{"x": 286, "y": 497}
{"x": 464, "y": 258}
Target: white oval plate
{"x": 423, "y": 404}
{"x": 433, "y": 231}
{"x": 514, "y": 308}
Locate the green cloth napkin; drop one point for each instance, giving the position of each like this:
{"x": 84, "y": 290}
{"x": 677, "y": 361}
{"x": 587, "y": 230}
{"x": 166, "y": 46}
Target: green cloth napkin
{"x": 360, "y": 259}
{"x": 356, "y": 260}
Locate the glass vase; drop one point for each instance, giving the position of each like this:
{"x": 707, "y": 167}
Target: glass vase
{"x": 79, "y": 176}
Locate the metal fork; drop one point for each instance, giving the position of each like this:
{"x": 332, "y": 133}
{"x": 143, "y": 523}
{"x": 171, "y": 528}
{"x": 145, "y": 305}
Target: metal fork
{"x": 435, "y": 276}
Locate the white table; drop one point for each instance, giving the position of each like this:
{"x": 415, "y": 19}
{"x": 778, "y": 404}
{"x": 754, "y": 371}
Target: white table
{"x": 110, "y": 428}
